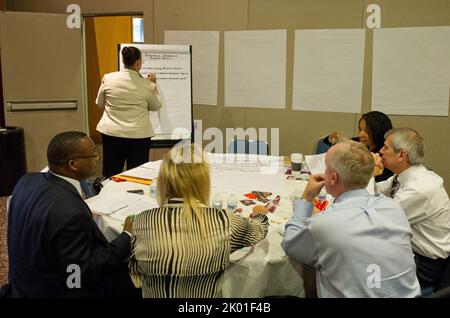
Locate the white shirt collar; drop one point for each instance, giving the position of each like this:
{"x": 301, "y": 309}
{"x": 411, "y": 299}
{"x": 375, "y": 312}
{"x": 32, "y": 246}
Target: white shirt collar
{"x": 411, "y": 171}
{"x": 129, "y": 70}
{"x": 73, "y": 182}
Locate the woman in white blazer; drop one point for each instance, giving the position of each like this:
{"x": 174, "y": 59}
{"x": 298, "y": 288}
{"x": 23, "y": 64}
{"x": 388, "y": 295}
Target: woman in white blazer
{"x": 125, "y": 126}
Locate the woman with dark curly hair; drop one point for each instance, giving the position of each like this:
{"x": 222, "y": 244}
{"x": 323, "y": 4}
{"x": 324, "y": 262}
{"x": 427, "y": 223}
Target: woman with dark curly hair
{"x": 372, "y": 127}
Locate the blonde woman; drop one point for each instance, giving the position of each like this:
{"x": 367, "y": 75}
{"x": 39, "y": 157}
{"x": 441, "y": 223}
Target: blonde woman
{"x": 182, "y": 249}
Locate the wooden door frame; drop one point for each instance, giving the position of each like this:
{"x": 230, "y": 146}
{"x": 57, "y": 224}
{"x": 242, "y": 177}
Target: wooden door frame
{"x": 2, "y": 110}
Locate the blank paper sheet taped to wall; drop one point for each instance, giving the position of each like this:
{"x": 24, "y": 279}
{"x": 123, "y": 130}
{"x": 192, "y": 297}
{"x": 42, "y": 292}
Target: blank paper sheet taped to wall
{"x": 255, "y": 68}
{"x": 205, "y": 62}
{"x": 328, "y": 70}
{"x": 411, "y": 70}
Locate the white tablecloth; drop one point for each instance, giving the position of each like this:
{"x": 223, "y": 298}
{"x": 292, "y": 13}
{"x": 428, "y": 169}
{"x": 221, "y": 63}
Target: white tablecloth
{"x": 258, "y": 271}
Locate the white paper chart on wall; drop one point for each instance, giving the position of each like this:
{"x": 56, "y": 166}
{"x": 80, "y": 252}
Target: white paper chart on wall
{"x": 172, "y": 66}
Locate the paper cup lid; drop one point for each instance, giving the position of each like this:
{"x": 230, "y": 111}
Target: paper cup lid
{"x": 296, "y": 157}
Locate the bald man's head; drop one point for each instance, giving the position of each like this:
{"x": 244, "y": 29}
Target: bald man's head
{"x": 352, "y": 162}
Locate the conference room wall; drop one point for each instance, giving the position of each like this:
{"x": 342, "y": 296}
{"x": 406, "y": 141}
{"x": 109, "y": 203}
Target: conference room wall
{"x": 32, "y": 71}
{"x": 299, "y": 130}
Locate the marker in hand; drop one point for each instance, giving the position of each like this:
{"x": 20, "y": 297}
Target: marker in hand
{"x": 151, "y": 77}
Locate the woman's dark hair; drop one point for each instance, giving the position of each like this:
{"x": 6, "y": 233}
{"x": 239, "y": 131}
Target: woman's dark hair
{"x": 377, "y": 124}
{"x": 130, "y": 55}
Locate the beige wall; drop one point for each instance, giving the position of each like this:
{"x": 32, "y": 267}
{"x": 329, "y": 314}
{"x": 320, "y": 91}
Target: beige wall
{"x": 39, "y": 67}
{"x": 299, "y": 130}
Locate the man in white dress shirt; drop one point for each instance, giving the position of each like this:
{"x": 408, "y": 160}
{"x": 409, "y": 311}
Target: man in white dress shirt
{"x": 361, "y": 245}
{"x": 422, "y": 195}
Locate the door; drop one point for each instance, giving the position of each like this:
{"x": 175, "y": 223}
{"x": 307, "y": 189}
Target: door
{"x": 41, "y": 68}
{"x": 102, "y": 36}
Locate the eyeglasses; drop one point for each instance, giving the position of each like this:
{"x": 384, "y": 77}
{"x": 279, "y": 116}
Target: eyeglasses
{"x": 73, "y": 158}
{"x": 81, "y": 157}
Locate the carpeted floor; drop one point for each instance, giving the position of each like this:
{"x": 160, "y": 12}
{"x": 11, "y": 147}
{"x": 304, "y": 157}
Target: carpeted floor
{"x": 3, "y": 246}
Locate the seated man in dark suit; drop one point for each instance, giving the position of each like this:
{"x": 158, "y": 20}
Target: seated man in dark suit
{"x": 55, "y": 247}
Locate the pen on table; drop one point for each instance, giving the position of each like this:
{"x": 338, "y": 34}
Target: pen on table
{"x": 119, "y": 208}
{"x": 138, "y": 191}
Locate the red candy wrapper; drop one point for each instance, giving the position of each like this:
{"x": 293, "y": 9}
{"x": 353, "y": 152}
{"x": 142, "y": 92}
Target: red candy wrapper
{"x": 250, "y": 195}
{"x": 117, "y": 179}
{"x": 321, "y": 204}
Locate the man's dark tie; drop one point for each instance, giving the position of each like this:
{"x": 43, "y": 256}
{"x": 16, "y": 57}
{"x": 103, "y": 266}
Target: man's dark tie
{"x": 395, "y": 186}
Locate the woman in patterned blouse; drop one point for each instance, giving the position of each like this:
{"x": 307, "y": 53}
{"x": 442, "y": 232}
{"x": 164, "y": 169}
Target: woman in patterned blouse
{"x": 182, "y": 249}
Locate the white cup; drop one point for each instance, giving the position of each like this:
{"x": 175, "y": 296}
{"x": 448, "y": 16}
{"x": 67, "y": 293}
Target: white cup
{"x": 296, "y": 164}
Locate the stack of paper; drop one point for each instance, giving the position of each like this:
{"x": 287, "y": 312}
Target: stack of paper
{"x": 108, "y": 203}
{"x": 143, "y": 174}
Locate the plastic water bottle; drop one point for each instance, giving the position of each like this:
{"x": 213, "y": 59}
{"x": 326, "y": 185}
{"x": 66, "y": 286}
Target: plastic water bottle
{"x": 321, "y": 202}
{"x": 322, "y": 195}
{"x": 217, "y": 201}
{"x": 153, "y": 190}
{"x": 232, "y": 202}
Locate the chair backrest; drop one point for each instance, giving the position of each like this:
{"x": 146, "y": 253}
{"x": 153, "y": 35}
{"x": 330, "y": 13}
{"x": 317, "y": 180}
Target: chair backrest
{"x": 443, "y": 293}
{"x": 257, "y": 147}
{"x": 322, "y": 147}
{"x": 91, "y": 187}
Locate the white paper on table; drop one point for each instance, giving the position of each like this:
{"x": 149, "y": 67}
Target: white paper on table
{"x": 108, "y": 203}
{"x": 316, "y": 163}
{"x": 154, "y": 165}
{"x": 141, "y": 173}
{"x": 246, "y": 162}
{"x": 134, "y": 209}
{"x": 241, "y": 182}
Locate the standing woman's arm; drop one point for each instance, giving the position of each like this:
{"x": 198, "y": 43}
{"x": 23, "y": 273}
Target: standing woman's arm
{"x": 101, "y": 98}
{"x": 153, "y": 101}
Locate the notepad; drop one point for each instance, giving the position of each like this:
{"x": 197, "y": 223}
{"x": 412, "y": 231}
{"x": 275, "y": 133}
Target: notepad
{"x": 316, "y": 163}
{"x": 141, "y": 173}
{"x": 108, "y": 203}
{"x": 133, "y": 209}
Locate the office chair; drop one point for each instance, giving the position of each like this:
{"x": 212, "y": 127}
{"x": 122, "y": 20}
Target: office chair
{"x": 255, "y": 147}
{"x": 442, "y": 289}
{"x": 443, "y": 293}
{"x": 91, "y": 186}
{"x": 322, "y": 147}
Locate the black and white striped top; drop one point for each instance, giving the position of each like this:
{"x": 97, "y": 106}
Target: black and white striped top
{"x": 170, "y": 259}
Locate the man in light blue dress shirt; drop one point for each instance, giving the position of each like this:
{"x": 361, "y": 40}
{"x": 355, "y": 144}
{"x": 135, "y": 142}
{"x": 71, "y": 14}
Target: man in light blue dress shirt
{"x": 361, "y": 245}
